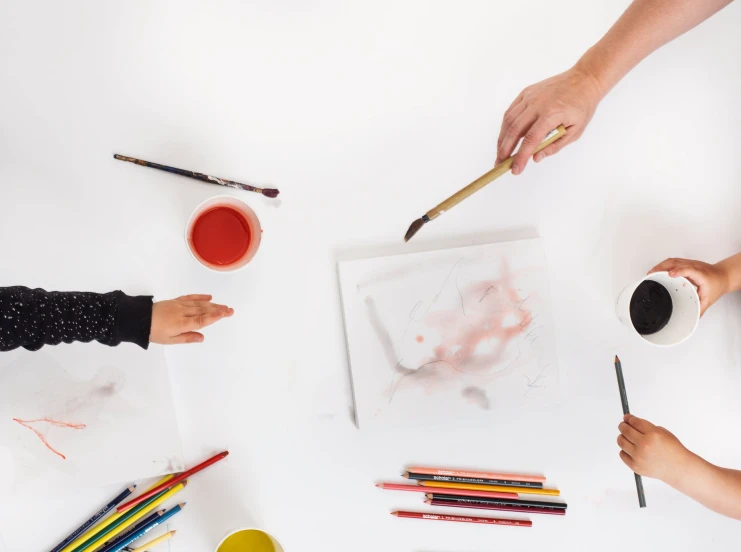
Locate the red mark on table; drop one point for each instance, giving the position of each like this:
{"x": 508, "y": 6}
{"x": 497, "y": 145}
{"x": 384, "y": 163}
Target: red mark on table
{"x": 420, "y": 338}
{"x": 55, "y": 423}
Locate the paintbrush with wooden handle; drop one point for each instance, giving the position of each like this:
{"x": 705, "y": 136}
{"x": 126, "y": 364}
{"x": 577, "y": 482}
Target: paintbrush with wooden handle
{"x": 476, "y": 185}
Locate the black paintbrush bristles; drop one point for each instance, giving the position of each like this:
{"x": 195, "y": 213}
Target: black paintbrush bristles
{"x": 413, "y": 229}
{"x": 270, "y": 192}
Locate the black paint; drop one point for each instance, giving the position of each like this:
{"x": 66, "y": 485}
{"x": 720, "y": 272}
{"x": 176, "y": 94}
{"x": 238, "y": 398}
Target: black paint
{"x": 650, "y": 307}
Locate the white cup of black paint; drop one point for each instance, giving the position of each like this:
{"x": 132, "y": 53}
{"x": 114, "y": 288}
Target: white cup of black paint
{"x": 660, "y": 309}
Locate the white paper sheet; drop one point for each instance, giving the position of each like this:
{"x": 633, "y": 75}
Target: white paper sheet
{"x": 85, "y": 414}
{"x": 445, "y": 335}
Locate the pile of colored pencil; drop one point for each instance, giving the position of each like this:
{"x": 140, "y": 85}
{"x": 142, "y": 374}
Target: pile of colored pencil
{"x": 480, "y": 491}
{"x": 132, "y": 520}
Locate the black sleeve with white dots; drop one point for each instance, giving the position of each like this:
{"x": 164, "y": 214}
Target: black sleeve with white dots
{"x": 32, "y": 318}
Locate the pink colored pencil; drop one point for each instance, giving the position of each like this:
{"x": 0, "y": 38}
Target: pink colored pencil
{"x": 464, "y": 519}
{"x": 453, "y": 492}
{"x": 478, "y": 475}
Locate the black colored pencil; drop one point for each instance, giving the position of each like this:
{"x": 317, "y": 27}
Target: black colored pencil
{"x": 626, "y": 410}
{"x": 502, "y": 507}
{"x": 501, "y": 501}
{"x": 478, "y": 481}
{"x": 268, "y": 192}
{"x": 96, "y": 517}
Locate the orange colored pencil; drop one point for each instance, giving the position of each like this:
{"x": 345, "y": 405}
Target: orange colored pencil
{"x": 464, "y": 519}
{"x": 172, "y": 482}
{"x": 452, "y": 492}
{"x": 478, "y": 475}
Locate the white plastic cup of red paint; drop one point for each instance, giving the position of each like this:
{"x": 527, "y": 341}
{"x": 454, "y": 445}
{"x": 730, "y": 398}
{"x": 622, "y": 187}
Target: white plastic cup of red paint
{"x": 238, "y": 218}
{"x": 685, "y": 310}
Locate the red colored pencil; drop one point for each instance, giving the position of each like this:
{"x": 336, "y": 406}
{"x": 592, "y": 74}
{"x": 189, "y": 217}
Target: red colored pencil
{"x": 172, "y": 482}
{"x": 478, "y": 475}
{"x": 513, "y": 508}
{"x": 452, "y": 492}
{"x": 464, "y": 519}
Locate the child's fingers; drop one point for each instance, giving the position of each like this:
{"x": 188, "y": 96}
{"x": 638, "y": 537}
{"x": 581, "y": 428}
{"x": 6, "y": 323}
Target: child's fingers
{"x": 630, "y": 433}
{"x": 197, "y": 303}
{"x": 625, "y": 445}
{"x": 666, "y": 265}
{"x": 203, "y": 308}
{"x": 626, "y": 458}
{"x": 644, "y": 426}
{"x": 187, "y": 337}
{"x": 195, "y": 297}
{"x": 693, "y": 274}
{"x": 203, "y": 320}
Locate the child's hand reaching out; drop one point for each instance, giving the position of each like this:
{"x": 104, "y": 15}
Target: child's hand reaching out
{"x": 176, "y": 320}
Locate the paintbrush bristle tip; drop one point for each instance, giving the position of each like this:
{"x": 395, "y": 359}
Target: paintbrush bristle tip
{"x": 413, "y": 229}
{"x": 270, "y": 192}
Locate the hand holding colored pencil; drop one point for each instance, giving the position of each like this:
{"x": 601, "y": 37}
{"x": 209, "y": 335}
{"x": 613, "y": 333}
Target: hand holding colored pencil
{"x": 626, "y": 410}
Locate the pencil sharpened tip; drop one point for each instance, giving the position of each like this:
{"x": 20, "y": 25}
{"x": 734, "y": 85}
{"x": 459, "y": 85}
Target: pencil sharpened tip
{"x": 617, "y": 359}
{"x": 270, "y": 192}
{"x": 413, "y": 229}
{"x": 394, "y": 513}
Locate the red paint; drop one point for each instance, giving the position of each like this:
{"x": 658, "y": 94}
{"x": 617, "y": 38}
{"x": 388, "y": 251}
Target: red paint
{"x": 420, "y": 338}
{"x": 463, "y": 330}
{"x": 56, "y": 423}
{"x": 221, "y": 236}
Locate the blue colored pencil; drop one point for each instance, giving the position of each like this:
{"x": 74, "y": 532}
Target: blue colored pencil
{"x": 93, "y": 520}
{"x": 125, "y": 540}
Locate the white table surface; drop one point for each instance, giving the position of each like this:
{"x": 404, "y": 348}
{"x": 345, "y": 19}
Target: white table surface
{"x": 365, "y": 115}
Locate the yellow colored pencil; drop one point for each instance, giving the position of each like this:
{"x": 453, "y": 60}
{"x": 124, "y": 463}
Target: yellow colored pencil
{"x": 495, "y": 488}
{"x": 155, "y": 542}
{"x": 133, "y": 519}
{"x": 98, "y": 528}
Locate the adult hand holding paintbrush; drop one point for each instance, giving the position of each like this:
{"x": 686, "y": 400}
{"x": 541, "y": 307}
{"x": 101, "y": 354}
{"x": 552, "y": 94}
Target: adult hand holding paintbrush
{"x": 476, "y": 185}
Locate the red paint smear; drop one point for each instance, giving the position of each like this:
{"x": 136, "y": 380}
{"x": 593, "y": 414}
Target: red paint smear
{"x": 420, "y": 338}
{"x": 221, "y": 236}
{"x": 463, "y": 330}
{"x": 56, "y": 423}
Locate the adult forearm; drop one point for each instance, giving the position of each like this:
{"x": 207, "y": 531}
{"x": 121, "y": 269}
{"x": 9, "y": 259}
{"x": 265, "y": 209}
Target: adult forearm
{"x": 644, "y": 27}
{"x": 712, "y": 486}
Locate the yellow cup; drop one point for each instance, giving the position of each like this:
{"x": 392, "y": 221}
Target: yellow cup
{"x": 249, "y": 540}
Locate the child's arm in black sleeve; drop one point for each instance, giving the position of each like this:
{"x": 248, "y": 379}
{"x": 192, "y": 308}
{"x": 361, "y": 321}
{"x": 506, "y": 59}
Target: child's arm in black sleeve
{"x": 32, "y": 318}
